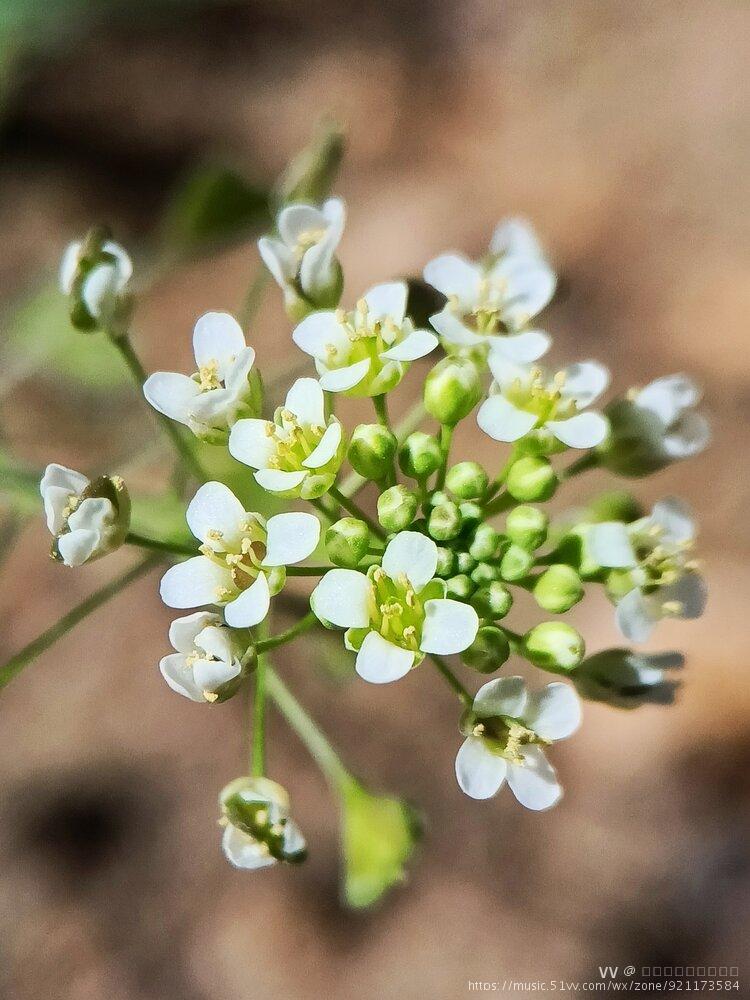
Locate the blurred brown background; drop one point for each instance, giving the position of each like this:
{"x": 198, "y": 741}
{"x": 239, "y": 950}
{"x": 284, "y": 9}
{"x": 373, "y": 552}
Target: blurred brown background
{"x": 622, "y": 131}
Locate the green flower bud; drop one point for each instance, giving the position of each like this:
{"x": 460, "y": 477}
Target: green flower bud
{"x": 558, "y": 589}
{"x": 420, "y": 455}
{"x": 489, "y": 651}
{"x": 614, "y": 505}
{"x": 485, "y": 572}
{"x": 485, "y": 543}
{"x": 445, "y": 522}
{"x": 460, "y": 587}
{"x": 446, "y": 564}
{"x": 554, "y": 646}
{"x": 471, "y": 513}
{"x": 438, "y": 498}
{"x": 516, "y": 563}
{"x": 452, "y": 390}
{"x": 465, "y": 562}
{"x": 467, "y": 480}
{"x": 531, "y": 479}
{"x": 372, "y": 450}
{"x": 397, "y": 508}
{"x": 347, "y": 542}
{"x": 493, "y": 600}
{"x": 527, "y": 527}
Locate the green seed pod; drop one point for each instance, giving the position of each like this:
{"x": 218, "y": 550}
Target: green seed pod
{"x": 527, "y": 527}
{"x": 516, "y": 563}
{"x": 460, "y": 587}
{"x": 558, "y": 589}
{"x": 531, "y": 479}
{"x": 489, "y": 651}
{"x": 446, "y": 564}
{"x": 420, "y": 455}
{"x": 372, "y": 450}
{"x": 485, "y": 543}
{"x": 554, "y": 646}
{"x": 467, "y": 480}
{"x": 452, "y": 390}
{"x": 445, "y": 522}
{"x": 347, "y": 542}
{"x": 493, "y": 600}
{"x": 484, "y": 573}
{"x": 397, "y": 508}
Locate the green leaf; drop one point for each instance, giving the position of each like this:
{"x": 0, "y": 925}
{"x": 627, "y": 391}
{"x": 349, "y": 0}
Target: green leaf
{"x": 379, "y": 836}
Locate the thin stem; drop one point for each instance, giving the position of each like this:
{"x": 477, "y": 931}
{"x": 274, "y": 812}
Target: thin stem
{"x": 258, "y": 749}
{"x": 47, "y": 639}
{"x": 307, "y": 570}
{"x": 142, "y": 542}
{"x": 182, "y": 447}
{"x": 307, "y": 729}
{"x": 356, "y": 511}
{"x": 303, "y": 625}
{"x": 381, "y": 409}
{"x": 253, "y": 297}
{"x": 582, "y": 464}
{"x": 452, "y": 680}
{"x": 446, "y": 436}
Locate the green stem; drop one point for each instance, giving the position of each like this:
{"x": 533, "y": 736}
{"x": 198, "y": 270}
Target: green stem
{"x": 446, "y": 436}
{"x": 47, "y": 639}
{"x": 253, "y": 298}
{"x": 303, "y": 625}
{"x": 582, "y": 464}
{"x": 258, "y": 750}
{"x": 181, "y": 446}
{"x": 142, "y": 542}
{"x": 381, "y": 409}
{"x": 356, "y": 511}
{"x": 307, "y": 570}
{"x": 452, "y": 680}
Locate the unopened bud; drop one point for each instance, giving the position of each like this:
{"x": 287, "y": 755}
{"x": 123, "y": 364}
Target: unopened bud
{"x": 494, "y": 600}
{"x": 465, "y": 562}
{"x": 489, "y": 651}
{"x": 397, "y": 508}
{"x": 452, "y": 390}
{"x": 558, "y": 589}
{"x": 486, "y": 542}
{"x": 94, "y": 274}
{"x": 516, "y": 563}
{"x": 467, "y": 480}
{"x": 459, "y": 587}
{"x": 527, "y": 527}
{"x": 531, "y": 478}
{"x": 554, "y": 646}
{"x": 372, "y": 450}
{"x": 446, "y": 564}
{"x": 485, "y": 572}
{"x": 445, "y": 522}
{"x": 420, "y": 455}
{"x": 471, "y": 512}
{"x": 347, "y": 542}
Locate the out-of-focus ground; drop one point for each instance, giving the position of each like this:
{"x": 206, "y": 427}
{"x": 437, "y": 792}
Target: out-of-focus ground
{"x": 622, "y": 131}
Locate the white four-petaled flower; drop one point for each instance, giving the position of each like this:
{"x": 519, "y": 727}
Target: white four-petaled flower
{"x": 365, "y": 352}
{"x": 258, "y": 831}
{"x": 224, "y": 389}
{"x": 84, "y": 527}
{"x": 207, "y": 660}
{"x": 525, "y": 399}
{"x": 507, "y": 730}
{"x": 490, "y": 303}
{"x": 106, "y": 279}
{"x": 299, "y": 452}
{"x": 243, "y": 556}
{"x": 396, "y": 612}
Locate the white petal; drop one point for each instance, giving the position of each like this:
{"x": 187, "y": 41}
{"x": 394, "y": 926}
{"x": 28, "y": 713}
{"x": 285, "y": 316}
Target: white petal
{"x": 276, "y": 481}
{"x": 98, "y": 285}
{"x": 251, "y": 607}
{"x": 306, "y": 401}
{"x": 279, "y": 259}
{"x": 675, "y": 518}
{"x": 609, "y": 545}
{"x": 210, "y": 675}
{"x": 250, "y": 442}
{"x": 416, "y": 345}
{"x": 76, "y": 547}
{"x": 171, "y": 394}
{"x": 215, "y": 508}
{"x": 292, "y": 537}
{"x": 503, "y": 696}
{"x": 217, "y": 338}
{"x": 584, "y": 430}
{"x": 69, "y": 267}
{"x": 93, "y": 514}
{"x": 238, "y": 371}
{"x": 194, "y": 582}
{"x": 503, "y": 421}
{"x": 480, "y": 772}
{"x": 297, "y": 220}
{"x": 380, "y": 662}
{"x": 242, "y": 851}
{"x": 343, "y": 598}
{"x": 294, "y": 842}
{"x": 636, "y": 616}
{"x": 667, "y": 397}
{"x": 388, "y": 300}
{"x": 515, "y": 237}
{"x": 182, "y": 631}
{"x": 320, "y": 331}
{"x": 341, "y": 379}
{"x": 57, "y": 485}
{"x": 413, "y": 554}
{"x": 123, "y": 263}
{"x": 689, "y": 435}
{"x": 530, "y": 284}
{"x": 555, "y": 712}
{"x": 534, "y": 783}
{"x": 507, "y": 372}
{"x": 449, "y": 627}
{"x": 451, "y": 329}
{"x": 453, "y": 274}
{"x": 690, "y": 592}
{"x": 179, "y": 677}
{"x": 585, "y": 381}
{"x": 522, "y": 347}
{"x": 213, "y": 407}
{"x": 316, "y": 268}
{"x": 326, "y": 448}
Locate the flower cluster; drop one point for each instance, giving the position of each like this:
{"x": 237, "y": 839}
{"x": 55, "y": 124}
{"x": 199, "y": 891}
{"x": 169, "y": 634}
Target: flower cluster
{"x": 432, "y": 570}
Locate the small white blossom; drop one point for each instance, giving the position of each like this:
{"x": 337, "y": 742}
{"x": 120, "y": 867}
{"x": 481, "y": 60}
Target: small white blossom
{"x": 224, "y": 389}
{"x": 365, "y": 352}
{"x": 243, "y": 556}
{"x": 655, "y": 574}
{"x": 490, "y": 303}
{"x": 208, "y": 657}
{"x": 299, "y": 452}
{"x": 396, "y": 612}
{"x": 507, "y": 730}
{"x": 525, "y": 399}
{"x": 302, "y": 260}
{"x": 103, "y": 283}
{"x": 258, "y": 831}
{"x": 85, "y": 525}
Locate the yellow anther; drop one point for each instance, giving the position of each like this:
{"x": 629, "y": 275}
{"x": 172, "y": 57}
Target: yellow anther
{"x": 478, "y": 730}
{"x": 632, "y": 394}
{"x": 208, "y": 376}
{"x": 672, "y": 607}
{"x": 410, "y": 597}
{"x": 559, "y": 379}
{"x": 262, "y": 816}
{"x": 378, "y": 574}
{"x": 247, "y": 546}
{"x": 214, "y": 534}
{"x": 403, "y": 580}
{"x": 341, "y": 316}
{"x": 222, "y": 594}
{"x": 362, "y": 307}
{"x": 210, "y": 696}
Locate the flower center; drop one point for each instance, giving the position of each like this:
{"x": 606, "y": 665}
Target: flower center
{"x": 506, "y": 736}
{"x": 305, "y": 240}
{"x": 541, "y": 396}
{"x": 243, "y": 558}
{"x": 294, "y": 442}
{"x": 663, "y": 563}
{"x": 396, "y": 613}
{"x": 368, "y": 339}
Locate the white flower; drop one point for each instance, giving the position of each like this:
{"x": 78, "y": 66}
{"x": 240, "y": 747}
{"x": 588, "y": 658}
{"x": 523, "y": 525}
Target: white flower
{"x": 243, "y": 556}
{"x": 302, "y": 261}
{"x": 627, "y": 679}
{"x": 224, "y": 389}
{"x": 299, "y": 452}
{"x": 507, "y": 729}
{"x": 87, "y": 519}
{"x": 103, "y": 282}
{"x": 207, "y": 659}
{"x": 396, "y": 612}
{"x": 367, "y": 351}
{"x": 654, "y": 575}
{"x": 525, "y": 399}
{"x": 257, "y": 829}
{"x": 490, "y": 303}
